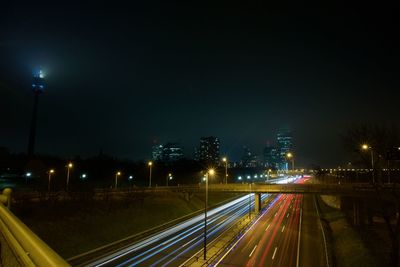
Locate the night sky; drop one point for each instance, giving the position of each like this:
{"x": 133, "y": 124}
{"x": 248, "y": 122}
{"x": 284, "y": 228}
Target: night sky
{"x": 123, "y": 75}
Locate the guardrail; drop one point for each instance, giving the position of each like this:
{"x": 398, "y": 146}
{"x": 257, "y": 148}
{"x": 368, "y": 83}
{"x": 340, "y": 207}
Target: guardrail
{"x": 19, "y": 245}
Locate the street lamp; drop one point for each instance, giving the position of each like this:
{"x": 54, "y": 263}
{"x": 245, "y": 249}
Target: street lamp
{"x": 116, "y": 179}
{"x": 209, "y": 172}
{"x": 150, "y": 164}
{"x": 367, "y": 147}
{"x": 69, "y": 166}
{"x": 225, "y": 160}
{"x": 169, "y": 177}
{"x": 27, "y": 175}
{"x": 269, "y": 174}
{"x": 290, "y": 156}
{"x": 48, "y": 185}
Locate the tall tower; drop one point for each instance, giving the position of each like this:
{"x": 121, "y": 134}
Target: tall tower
{"x": 38, "y": 85}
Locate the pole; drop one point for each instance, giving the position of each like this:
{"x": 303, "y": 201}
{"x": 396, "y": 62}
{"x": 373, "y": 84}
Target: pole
{"x": 372, "y": 163}
{"x": 293, "y": 164}
{"x": 116, "y": 180}
{"x": 48, "y": 186}
{"x": 226, "y": 171}
{"x": 250, "y": 203}
{"x": 205, "y": 218}
{"x": 67, "y": 177}
{"x": 150, "y": 177}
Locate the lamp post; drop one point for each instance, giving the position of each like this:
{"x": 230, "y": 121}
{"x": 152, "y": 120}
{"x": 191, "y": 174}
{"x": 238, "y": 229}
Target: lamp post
{"x": 48, "y": 185}
{"x": 130, "y": 178}
{"x": 116, "y": 179}
{"x": 250, "y": 202}
{"x": 169, "y": 177}
{"x": 69, "y": 166}
{"x": 367, "y": 147}
{"x": 291, "y": 157}
{"x": 225, "y": 160}
{"x": 209, "y": 172}
{"x": 150, "y": 165}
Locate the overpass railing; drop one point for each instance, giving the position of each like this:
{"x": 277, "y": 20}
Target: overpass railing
{"x": 19, "y": 245}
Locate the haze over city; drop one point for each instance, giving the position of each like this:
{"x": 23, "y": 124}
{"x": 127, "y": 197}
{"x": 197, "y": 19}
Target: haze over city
{"x": 121, "y": 76}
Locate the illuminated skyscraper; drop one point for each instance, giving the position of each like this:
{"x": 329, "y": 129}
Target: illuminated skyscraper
{"x": 167, "y": 153}
{"x": 284, "y": 145}
{"x": 157, "y": 152}
{"x": 38, "y": 86}
{"x": 208, "y": 151}
{"x": 271, "y": 157}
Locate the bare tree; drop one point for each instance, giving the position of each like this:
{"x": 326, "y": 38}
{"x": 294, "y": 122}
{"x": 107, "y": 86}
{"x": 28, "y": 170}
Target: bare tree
{"x": 381, "y": 139}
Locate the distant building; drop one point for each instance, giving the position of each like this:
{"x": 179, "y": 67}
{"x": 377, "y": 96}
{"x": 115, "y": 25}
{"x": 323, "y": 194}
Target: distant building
{"x": 157, "y": 152}
{"x": 209, "y": 150}
{"x": 284, "y": 145}
{"x": 167, "y": 152}
{"x": 249, "y": 160}
{"x": 172, "y": 152}
{"x": 271, "y": 157}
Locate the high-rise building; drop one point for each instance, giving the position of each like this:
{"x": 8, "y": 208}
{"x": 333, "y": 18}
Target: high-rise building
{"x": 157, "y": 152}
{"x": 284, "y": 145}
{"x": 208, "y": 151}
{"x": 172, "y": 152}
{"x": 271, "y": 157}
{"x": 249, "y": 160}
{"x": 167, "y": 152}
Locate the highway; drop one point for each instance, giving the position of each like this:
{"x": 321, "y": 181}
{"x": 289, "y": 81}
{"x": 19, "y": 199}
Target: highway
{"x": 175, "y": 245}
{"x": 273, "y": 240}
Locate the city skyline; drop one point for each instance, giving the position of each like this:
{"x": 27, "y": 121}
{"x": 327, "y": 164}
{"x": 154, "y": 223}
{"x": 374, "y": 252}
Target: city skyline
{"x": 119, "y": 78}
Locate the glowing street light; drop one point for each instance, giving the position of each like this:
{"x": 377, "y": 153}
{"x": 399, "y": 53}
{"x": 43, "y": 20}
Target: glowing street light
{"x": 69, "y": 166}
{"x": 150, "y": 163}
{"x": 48, "y": 185}
{"x": 269, "y": 174}
{"x": 169, "y": 177}
{"x": 290, "y": 156}
{"x": 116, "y": 178}
{"x": 366, "y": 147}
{"x": 83, "y": 176}
{"x": 225, "y": 160}
{"x": 209, "y": 172}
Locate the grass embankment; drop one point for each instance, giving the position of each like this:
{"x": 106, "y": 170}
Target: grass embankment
{"x": 349, "y": 246}
{"x": 74, "y": 227}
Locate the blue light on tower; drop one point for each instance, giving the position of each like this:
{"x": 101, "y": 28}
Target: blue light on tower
{"x": 38, "y": 84}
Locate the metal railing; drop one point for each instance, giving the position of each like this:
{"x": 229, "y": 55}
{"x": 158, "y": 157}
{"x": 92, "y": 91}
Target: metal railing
{"x": 19, "y": 245}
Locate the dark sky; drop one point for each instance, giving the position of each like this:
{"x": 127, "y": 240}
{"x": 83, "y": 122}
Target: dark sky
{"x": 122, "y": 75}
